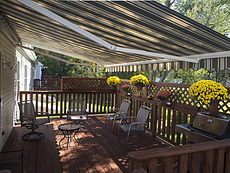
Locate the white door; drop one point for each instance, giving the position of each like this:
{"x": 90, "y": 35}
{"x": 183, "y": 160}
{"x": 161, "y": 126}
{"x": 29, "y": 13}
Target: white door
{"x": 0, "y": 101}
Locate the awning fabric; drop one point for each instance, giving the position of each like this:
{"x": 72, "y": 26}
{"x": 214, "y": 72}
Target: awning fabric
{"x": 207, "y": 64}
{"x": 138, "y": 25}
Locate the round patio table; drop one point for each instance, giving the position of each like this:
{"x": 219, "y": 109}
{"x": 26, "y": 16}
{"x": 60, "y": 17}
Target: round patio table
{"x": 68, "y": 130}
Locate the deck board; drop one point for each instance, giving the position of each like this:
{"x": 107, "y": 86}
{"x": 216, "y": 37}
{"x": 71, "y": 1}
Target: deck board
{"x": 99, "y": 149}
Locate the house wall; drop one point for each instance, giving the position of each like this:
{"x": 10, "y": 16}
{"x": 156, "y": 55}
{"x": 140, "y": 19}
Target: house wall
{"x": 8, "y": 53}
{"x": 25, "y": 73}
{"x": 13, "y": 80}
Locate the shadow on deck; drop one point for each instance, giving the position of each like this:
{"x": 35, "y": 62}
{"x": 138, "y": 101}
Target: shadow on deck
{"x": 99, "y": 149}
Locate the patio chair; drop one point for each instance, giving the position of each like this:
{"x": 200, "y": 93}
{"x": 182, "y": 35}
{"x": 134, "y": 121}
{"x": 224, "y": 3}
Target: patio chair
{"x": 122, "y": 112}
{"x": 138, "y": 126}
{"x": 77, "y": 110}
{"x": 29, "y": 120}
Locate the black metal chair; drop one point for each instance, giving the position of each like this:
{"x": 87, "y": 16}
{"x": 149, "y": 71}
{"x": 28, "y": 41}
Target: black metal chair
{"x": 138, "y": 126}
{"x": 28, "y": 119}
{"x": 122, "y": 112}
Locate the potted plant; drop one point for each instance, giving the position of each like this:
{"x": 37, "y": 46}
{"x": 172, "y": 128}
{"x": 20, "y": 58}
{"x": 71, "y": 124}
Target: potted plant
{"x": 209, "y": 92}
{"x": 126, "y": 89}
{"x": 113, "y": 81}
{"x": 163, "y": 96}
{"x": 139, "y": 81}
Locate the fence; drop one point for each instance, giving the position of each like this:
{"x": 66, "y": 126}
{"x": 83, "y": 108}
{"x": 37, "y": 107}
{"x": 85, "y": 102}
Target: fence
{"x": 47, "y": 83}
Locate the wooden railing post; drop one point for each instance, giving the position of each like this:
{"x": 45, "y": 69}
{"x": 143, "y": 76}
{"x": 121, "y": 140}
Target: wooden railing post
{"x": 154, "y": 119}
{"x": 62, "y": 84}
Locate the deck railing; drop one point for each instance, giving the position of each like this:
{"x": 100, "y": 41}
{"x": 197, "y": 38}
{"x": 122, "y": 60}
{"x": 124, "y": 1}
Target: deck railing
{"x": 100, "y": 97}
{"x": 47, "y": 83}
{"x": 202, "y": 157}
{"x": 56, "y": 102}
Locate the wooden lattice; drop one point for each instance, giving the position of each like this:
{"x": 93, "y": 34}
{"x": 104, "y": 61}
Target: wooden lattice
{"x": 73, "y": 83}
{"x": 180, "y": 96}
{"x": 133, "y": 89}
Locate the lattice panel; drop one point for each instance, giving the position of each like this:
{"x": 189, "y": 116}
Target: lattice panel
{"x": 71, "y": 84}
{"x": 133, "y": 89}
{"x": 180, "y": 95}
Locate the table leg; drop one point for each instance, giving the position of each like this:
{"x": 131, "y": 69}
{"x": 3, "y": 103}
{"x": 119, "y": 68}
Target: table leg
{"x": 75, "y": 137}
{"x": 63, "y": 137}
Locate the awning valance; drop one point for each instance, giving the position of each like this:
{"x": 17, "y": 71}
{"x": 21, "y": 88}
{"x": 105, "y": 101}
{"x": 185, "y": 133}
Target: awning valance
{"x": 207, "y": 64}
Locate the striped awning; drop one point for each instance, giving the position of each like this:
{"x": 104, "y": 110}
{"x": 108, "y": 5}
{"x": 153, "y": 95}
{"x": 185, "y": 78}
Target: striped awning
{"x": 207, "y": 64}
{"x": 117, "y": 34}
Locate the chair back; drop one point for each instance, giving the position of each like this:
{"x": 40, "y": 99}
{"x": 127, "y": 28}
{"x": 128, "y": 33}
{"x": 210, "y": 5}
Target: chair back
{"x": 143, "y": 115}
{"x": 77, "y": 106}
{"x": 124, "y": 107}
{"x": 27, "y": 111}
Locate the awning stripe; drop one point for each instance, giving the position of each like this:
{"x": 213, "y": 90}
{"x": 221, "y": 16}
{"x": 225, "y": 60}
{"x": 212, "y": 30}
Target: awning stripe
{"x": 207, "y": 64}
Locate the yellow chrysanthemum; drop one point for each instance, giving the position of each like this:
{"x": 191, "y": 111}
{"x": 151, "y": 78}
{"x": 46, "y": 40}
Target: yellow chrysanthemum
{"x": 113, "y": 80}
{"x": 139, "y": 80}
{"x": 208, "y": 91}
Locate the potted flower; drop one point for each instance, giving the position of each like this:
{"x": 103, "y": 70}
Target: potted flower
{"x": 163, "y": 96}
{"x": 113, "y": 81}
{"x": 126, "y": 89}
{"x": 139, "y": 81}
{"x": 209, "y": 92}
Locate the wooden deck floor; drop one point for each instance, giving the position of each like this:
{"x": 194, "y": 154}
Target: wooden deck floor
{"x": 99, "y": 149}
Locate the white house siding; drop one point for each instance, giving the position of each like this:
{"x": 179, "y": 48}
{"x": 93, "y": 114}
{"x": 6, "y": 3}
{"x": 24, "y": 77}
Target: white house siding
{"x": 21, "y": 59}
{"x": 26, "y": 69}
{"x": 8, "y": 53}
{"x": 25, "y": 73}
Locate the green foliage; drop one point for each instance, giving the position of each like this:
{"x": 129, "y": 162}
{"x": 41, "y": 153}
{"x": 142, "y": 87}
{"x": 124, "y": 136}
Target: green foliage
{"x": 211, "y": 13}
{"x": 57, "y": 68}
{"x": 187, "y": 77}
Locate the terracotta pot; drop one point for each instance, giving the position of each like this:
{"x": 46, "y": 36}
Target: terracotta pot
{"x": 139, "y": 88}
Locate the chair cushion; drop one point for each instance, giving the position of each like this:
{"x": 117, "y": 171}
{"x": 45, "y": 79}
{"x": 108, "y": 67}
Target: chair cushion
{"x": 125, "y": 127}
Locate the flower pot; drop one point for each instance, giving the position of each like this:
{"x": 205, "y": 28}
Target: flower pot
{"x": 163, "y": 102}
{"x": 139, "y": 88}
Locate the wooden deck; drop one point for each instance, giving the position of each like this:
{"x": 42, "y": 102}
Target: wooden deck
{"x": 99, "y": 149}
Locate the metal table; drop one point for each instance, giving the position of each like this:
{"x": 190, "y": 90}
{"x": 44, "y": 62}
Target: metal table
{"x": 68, "y": 130}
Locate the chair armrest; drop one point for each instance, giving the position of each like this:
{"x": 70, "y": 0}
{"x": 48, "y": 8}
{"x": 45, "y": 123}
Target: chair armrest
{"x": 118, "y": 113}
{"x": 127, "y": 117}
{"x": 137, "y": 123}
{"x": 29, "y": 117}
{"x": 46, "y": 114}
{"x": 110, "y": 110}
{"x": 124, "y": 118}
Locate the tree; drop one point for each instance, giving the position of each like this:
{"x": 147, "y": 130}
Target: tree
{"x": 57, "y": 68}
{"x": 211, "y": 13}
{"x": 167, "y": 3}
